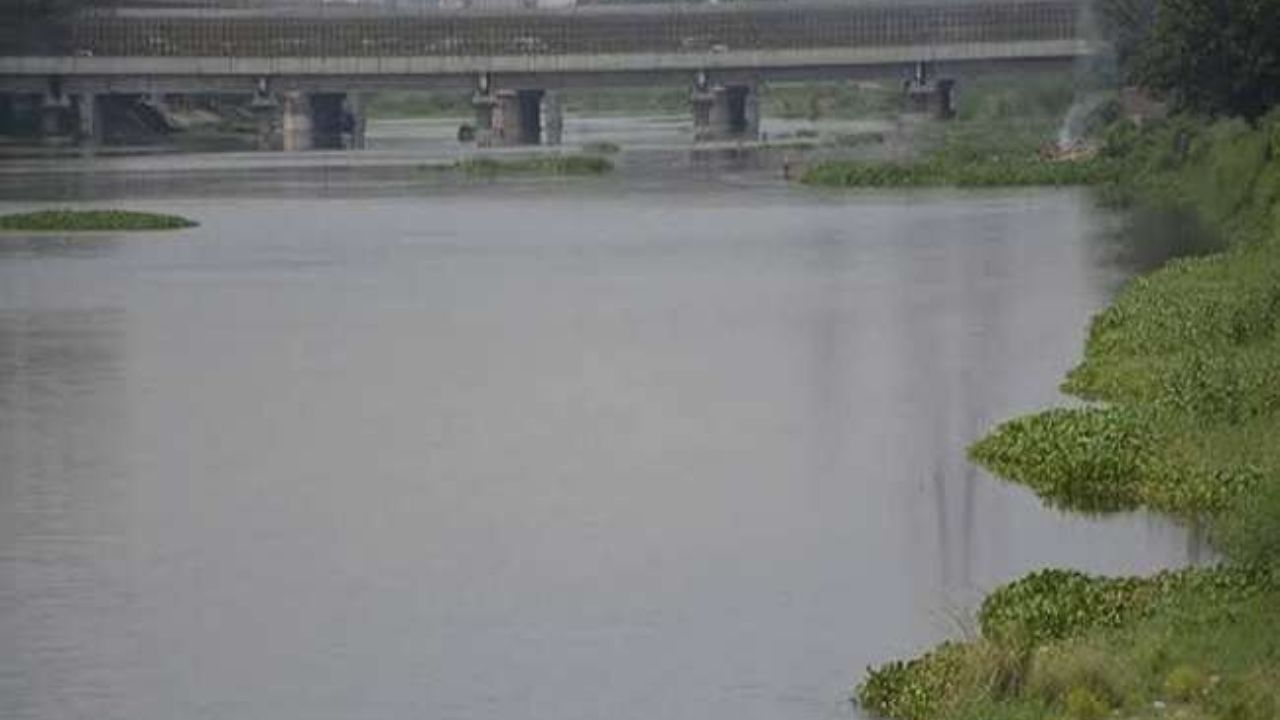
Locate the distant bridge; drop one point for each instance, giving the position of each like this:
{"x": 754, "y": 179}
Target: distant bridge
{"x": 714, "y": 47}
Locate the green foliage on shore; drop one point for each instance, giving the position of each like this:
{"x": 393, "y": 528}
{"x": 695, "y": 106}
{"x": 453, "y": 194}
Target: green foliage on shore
{"x": 953, "y": 171}
{"x": 1187, "y": 358}
{"x": 538, "y": 164}
{"x": 1062, "y": 644}
{"x": 601, "y": 147}
{"x": 1184, "y": 368}
{"x": 1216, "y": 57}
{"x": 92, "y": 220}
{"x": 819, "y": 101}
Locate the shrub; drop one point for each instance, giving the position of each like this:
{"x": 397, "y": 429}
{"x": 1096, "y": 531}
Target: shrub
{"x": 1058, "y": 670}
{"x": 1185, "y": 683}
{"x": 1249, "y": 531}
{"x": 1082, "y": 704}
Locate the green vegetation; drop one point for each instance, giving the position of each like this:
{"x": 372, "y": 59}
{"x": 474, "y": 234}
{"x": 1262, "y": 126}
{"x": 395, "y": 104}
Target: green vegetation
{"x": 92, "y": 220}
{"x": 601, "y": 147}
{"x": 1061, "y": 644}
{"x": 1186, "y": 367}
{"x": 671, "y": 100}
{"x": 821, "y": 101}
{"x": 1002, "y": 124}
{"x": 1182, "y": 373}
{"x": 1216, "y": 58}
{"x": 950, "y": 171}
{"x": 538, "y": 164}
{"x": 1015, "y": 101}
{"x": 414, "y": 104}
{"x": 1187, "y": 359}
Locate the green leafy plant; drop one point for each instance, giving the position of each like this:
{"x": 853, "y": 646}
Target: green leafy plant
{"x": 92, "y": 220}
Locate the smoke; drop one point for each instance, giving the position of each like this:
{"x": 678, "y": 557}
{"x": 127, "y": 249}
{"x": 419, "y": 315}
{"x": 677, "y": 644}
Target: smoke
{"x": 1077, "y": 119}
{"x": 1096, "y": 73}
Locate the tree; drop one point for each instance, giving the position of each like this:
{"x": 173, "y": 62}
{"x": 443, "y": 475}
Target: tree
{"x": 1127, "y": 25}
{"x": 1219, "y": 57}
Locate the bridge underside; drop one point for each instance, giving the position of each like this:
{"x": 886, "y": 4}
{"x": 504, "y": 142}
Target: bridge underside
{"x": 307, "y": 102}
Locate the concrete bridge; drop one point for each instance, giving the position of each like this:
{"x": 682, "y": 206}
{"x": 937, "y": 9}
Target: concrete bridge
{"x": 306, "y": 67}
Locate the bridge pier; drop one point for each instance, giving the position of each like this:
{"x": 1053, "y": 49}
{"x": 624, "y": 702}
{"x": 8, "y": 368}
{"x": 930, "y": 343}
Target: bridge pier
{"x": 55, "y": 116}
{"x": 926, "y": 96}
{"x": 295, "y": 120}
{"x": 89, "y": 119}
{"x": 725, "y": 112}
{"x": 297, "y": 132}
{"x": 511, "y": 117}
{"x": 552, "y": 119}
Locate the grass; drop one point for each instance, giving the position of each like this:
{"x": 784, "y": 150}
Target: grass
{"x": 92, "y": 220}
{"x": 1183, "y": 370}
{"x": 1059, "y": 644}
{"x": 539, "y": 164}
{"x": 937, "y": 171}
{"x": 602, "y": 147}
{"x": 978, "y": 153}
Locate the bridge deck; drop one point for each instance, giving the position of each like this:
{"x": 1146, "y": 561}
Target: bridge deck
{"x": 671, "y": 30}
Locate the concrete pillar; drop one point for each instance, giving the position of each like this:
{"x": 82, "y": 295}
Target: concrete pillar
{"x": 508, "y": 117}
{"x": 355, "y": 120}
{"x": 90, "y": 122}
{"x": 8, "y": 114}
{"x": 725, "y": 112}
{"x": 296, "y": 127}
{"x": 485, "y": 105}
{"x": 927, "y": 96}
{"x": 54, "y": 119}
{"x": 266, "y": 112}
{"x": 552, "y": 119}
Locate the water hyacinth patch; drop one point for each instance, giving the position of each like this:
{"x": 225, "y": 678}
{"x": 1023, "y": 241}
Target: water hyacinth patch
{"x": 91, "y": 221}
{"x": 543, "y": 164}
{"x": 946, "y": 171}
{"x": 1188, "y": 360}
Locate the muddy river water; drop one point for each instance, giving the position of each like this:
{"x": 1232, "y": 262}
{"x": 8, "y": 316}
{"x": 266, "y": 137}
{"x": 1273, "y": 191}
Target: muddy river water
{"x": 679, "y": 443}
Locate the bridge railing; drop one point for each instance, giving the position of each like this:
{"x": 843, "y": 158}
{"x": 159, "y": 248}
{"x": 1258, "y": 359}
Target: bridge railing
{"x": 673, "y": 30}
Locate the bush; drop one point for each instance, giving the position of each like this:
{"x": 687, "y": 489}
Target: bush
{"x": 1057, "y": 671}
{"x": 1084, "y": 705}
{"x": 1249, "y": 531}
{"x": 601, "y": 147}
{"x": 1185, "y": 684}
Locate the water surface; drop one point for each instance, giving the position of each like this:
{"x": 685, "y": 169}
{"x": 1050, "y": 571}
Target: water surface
{"x": 684, "y": 443}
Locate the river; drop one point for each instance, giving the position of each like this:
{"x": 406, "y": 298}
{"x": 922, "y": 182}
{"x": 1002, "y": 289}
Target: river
{"x": 681, "y": 443}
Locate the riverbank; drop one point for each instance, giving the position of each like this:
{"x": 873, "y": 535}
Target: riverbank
{"x": 999, "y": 152}
{"x": 1185, "y": 368}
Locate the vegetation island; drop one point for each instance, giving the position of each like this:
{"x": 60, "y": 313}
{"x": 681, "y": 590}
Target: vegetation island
{"x": 91, "y": 221}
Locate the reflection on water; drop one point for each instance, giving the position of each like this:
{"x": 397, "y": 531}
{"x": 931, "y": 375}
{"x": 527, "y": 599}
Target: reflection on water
{"x": 666, "y": 444}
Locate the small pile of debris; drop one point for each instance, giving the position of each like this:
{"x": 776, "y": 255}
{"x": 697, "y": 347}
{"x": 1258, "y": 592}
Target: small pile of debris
{"x": 1074, "y": 152}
